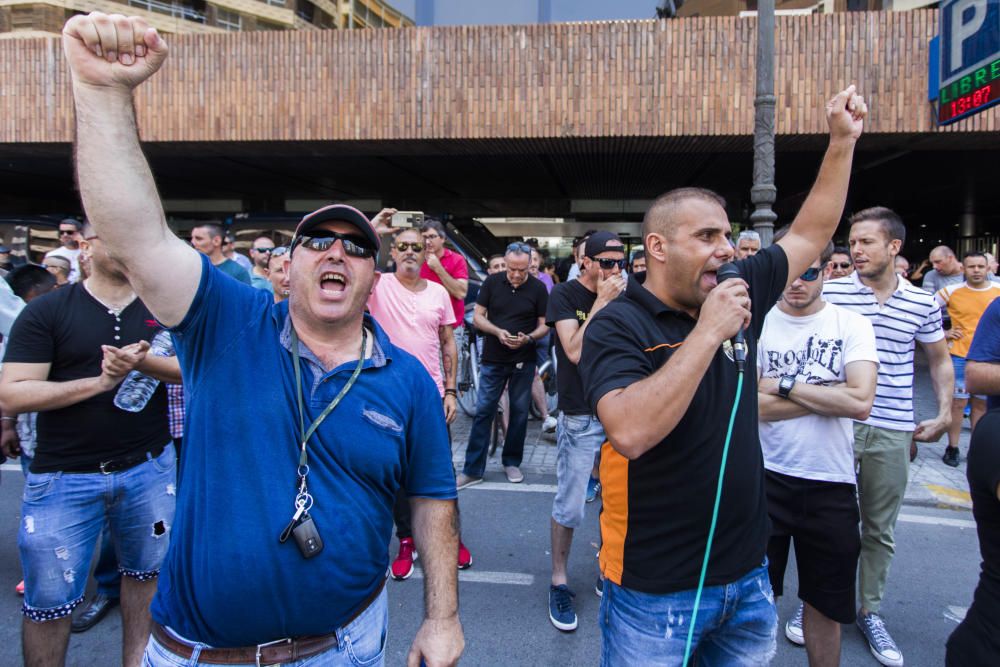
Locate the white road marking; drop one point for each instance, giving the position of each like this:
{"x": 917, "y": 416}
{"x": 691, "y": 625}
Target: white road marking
{"x": 11, "y": 467}
{"x": 507, "y": 486}
{"x": 956, "y": 614}
{"x": 937, "y": 521}
{"x": 478, "y": 577}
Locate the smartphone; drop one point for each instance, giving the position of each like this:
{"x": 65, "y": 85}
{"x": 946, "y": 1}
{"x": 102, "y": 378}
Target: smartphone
{"x": 406, "y": 219}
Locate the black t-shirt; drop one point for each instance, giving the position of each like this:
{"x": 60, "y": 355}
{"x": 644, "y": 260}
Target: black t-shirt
{"x": 569, "y": 301}
{"x": 66, "y": 328}
{"x": 658, "y": 507}
{"x": 983, "y": 471}
{"x": 515, "y": 310}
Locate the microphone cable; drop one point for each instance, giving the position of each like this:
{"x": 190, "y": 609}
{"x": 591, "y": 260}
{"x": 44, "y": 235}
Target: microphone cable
{"x": 715, "y": 515}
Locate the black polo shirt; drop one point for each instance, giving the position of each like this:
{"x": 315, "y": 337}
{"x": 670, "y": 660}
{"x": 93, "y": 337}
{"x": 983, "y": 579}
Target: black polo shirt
{"x": 657, "y": 508}
{"x": 514, "y": 309}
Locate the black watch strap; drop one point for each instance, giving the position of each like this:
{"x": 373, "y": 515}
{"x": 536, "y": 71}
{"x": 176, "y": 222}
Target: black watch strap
{"x": 785, "y": 385}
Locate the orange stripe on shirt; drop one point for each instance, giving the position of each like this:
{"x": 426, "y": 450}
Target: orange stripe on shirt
{"x": 657, "y": 347}
{"x": 614, "y": 513}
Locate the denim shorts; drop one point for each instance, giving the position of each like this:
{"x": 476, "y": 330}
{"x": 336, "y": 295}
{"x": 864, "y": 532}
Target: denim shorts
{"x": 959, "y": 365}
{"x": 736, "y": 625}
{"x": 360, "y": 643}
{"x": 578, "y": 438}
{"x": 64, "y": 515}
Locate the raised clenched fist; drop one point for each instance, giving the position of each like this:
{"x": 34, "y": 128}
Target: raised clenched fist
{"x": 112, "y": 50}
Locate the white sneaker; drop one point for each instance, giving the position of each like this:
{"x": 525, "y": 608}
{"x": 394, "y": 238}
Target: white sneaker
{"x": 549, "y": 425}
{"x": 514, "y": 474}
{"x": 793, "y": 628}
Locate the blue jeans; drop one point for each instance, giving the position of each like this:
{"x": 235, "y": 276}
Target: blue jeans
{"x": 736, "y": 625}
{"x": 578, "y": 438}
{"x": 360, "y": 643}
{"x": 492, "y": 380}
{"x": 63, "y": 516}
{"x": 109, "y": 579}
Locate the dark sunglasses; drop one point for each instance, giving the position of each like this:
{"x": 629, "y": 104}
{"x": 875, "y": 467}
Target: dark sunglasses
{"x": 840, "y": 265}
{"x": 811, "y": 274}
{"x": 518, "y": 246}
{"x": 608, "y": 264}
{"x": 403, "y": 245}
{"x": 355, "y": 246}
{"x": 279, "y": 251}
{"x": 263, "y": 251}
{"x": 67, "y": 232}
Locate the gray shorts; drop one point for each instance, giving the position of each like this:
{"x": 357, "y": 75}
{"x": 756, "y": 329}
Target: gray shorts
{"x": 578, "y": 439}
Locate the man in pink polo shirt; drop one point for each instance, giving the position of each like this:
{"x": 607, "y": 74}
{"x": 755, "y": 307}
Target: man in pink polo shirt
{"x": 445, "y": 267}
{"x": 417, "y": 314}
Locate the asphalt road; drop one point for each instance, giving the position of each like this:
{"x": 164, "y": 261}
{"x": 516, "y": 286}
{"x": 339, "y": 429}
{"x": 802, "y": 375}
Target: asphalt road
{"x": 504, "y": 594}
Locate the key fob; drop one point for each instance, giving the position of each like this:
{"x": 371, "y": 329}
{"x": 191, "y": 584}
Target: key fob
{"x": 307, "y": 537}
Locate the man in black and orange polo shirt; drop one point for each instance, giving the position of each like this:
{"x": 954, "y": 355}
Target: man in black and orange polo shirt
{"x": 657, "y": 369}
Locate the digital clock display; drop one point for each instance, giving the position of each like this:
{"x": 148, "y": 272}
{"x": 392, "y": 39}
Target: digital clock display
{"x": 969, "y": 94}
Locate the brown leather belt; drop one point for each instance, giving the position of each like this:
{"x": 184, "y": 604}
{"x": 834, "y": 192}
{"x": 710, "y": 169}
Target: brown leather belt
{"x": 272, "y": 653}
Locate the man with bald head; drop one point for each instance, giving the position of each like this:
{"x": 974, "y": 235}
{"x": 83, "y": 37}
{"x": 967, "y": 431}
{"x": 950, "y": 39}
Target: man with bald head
{"x": 660, "y": 373}
{"x": 947, "y": 270}
{"x": 260, "y": 253}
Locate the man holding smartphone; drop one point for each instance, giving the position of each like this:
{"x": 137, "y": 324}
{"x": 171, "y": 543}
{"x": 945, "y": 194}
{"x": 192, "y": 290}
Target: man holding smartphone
{"x": 510, "y": 313}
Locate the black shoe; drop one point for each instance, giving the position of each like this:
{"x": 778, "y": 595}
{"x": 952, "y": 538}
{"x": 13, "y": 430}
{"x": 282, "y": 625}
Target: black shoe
{"x": 950, "y": 456}
{"x": 92, "y": 614}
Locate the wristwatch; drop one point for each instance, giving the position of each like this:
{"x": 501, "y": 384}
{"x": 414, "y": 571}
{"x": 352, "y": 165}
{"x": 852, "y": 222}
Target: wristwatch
{"x": 785, "y": 385}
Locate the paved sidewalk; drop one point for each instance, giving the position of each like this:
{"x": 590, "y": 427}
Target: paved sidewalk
{"x": 932, "y": 483}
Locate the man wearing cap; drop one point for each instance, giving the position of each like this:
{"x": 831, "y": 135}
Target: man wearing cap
{"x": 208, "y": 239}
{"x": 59, "y": 267}
{"x": 69, "y": 246}
{"x": 280, "y": 548}
{"x": 510, "y": 315}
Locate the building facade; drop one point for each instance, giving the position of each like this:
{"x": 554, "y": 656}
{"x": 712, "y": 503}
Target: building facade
{"x": 37, "y": 18}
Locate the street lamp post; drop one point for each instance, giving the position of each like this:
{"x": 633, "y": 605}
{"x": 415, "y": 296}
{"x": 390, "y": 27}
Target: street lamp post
{"x": 763, "y": 193}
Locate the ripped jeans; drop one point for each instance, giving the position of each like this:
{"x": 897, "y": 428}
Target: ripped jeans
{"x": 63, "y": 515}
{"x": 736, "y": 624}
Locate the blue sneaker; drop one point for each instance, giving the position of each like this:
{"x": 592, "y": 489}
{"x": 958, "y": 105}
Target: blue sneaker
{"x": 561, "y": 611}
{"x": 593, "y": 489}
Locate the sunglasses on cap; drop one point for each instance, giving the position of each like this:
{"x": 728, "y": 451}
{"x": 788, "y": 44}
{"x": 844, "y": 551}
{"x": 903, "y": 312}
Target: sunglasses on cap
{"x": 608, "y": 264}
{"x": 403, "y": 245}
{"x": 518, "y": 246}
{"x": 354, "y": 245}
{"x": 840, "y": 265}
{"x": 811, "y": 274}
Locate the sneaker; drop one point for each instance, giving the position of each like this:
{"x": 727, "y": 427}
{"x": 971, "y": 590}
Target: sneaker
{"x": 593, "y": 489}
{"x": 793, "y": 628}
{"x": 19, "y": 589}
{"x": 464, "y": 557}
{"x": 464, "y": 481}
{"x": 514, "y": 474}
{"x": 561, "y": 608}
{"x": 549, "y": 425}
{"x": 599, "y": 587}
{"x": 402, "y": 567}
{"x": 879, "y": 641}
{"x": 950, "y": 457}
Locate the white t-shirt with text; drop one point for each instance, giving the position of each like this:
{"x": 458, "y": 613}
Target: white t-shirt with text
{"x": 815, "y": 349}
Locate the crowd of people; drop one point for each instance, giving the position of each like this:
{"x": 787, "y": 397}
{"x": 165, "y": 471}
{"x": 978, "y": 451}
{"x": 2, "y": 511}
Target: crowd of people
{"x": 774, "y": 385}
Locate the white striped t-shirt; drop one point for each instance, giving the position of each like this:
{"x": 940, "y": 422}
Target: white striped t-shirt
{"x": 910, "y": 314}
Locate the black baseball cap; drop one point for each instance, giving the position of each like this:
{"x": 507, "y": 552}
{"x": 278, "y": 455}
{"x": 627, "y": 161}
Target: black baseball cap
{"x": 601, "y": 242}
{"x": 341, "y": 213}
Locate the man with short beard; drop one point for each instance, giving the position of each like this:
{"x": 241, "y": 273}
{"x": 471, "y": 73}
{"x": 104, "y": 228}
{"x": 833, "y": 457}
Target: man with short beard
{"x": 260, "y": 253}
{"x": 69, "y": 246}
{"x": 417, "y": 315}
{"x": 208, "y": 240}
{"x": 902, "y": 316}
{"x": 68, "y": 352}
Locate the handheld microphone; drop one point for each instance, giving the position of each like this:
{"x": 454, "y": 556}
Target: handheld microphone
{"x": 724, "y": 273}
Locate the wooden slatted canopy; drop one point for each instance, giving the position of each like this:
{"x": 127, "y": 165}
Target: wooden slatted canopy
{"x": 683, "y": 78}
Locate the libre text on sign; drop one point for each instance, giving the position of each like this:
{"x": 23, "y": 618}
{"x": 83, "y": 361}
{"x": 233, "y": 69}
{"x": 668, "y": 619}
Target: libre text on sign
{"x": 970, "y": 58}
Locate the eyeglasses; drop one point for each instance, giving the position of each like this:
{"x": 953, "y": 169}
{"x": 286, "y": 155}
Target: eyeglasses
{"x": 608, "y": 264}
{"x": 840, "y": 265}
{"x": 811, "y": 274}
{"x": 263, "y": 251}
{"x": 355, "y": 246}
{"x": 431, "y": 236}
{"x": 518, "y": 246}
{"x": 403, "y": 245}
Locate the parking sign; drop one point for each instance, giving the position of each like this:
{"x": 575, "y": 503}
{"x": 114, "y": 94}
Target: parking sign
{"x": 969, "y": 58}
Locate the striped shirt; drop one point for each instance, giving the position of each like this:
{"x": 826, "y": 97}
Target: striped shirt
{"x": 910, "y": 314}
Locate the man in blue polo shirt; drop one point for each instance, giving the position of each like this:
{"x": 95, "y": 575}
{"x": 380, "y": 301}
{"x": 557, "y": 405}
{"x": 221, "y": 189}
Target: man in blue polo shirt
{"x": 280, "y": 545}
